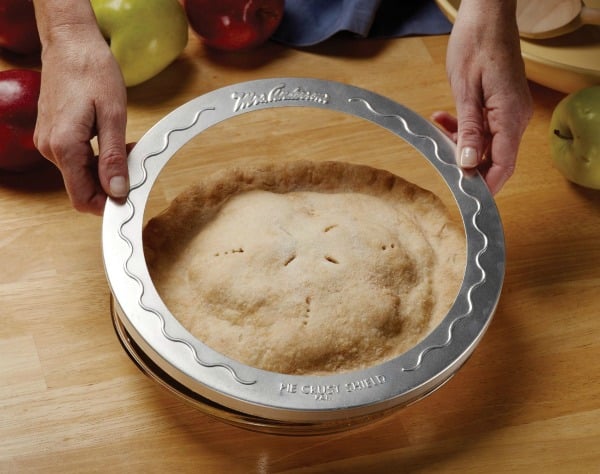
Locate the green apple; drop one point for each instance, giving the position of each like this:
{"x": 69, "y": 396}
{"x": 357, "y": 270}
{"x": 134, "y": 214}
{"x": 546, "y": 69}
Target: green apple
{"x": 575, "y": 137}
{"x": 145, "y": 36}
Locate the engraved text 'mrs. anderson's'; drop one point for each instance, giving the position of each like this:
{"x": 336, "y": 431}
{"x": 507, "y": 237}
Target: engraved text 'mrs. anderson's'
{"x": 280, "y": 93}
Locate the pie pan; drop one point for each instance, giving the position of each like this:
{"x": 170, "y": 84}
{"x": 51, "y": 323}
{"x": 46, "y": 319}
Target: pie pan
{"x": 275, "y": 402}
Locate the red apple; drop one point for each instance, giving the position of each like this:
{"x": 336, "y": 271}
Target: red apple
{"x": 233, "y": 25}
{"x": 19, "y": 93}
{"x": 18, "y": 29}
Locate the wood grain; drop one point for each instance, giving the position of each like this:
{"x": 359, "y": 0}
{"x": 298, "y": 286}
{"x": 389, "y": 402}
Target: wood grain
{"x": 528, "y": 400}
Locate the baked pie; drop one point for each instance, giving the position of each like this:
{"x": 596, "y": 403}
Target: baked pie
{"x": 306, "y": 267}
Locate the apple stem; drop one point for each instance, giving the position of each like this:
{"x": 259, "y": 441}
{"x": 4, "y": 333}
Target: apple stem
{"x": 558, "y": 134}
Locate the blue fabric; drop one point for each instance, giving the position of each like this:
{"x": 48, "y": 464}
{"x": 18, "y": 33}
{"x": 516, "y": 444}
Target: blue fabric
{"x": 308, "y": 22}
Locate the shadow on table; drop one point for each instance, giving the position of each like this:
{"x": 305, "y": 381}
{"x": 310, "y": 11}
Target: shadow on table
{"x": 44, "y": 178}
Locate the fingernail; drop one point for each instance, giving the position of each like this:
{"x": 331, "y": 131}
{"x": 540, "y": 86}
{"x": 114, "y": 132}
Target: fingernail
{"x": 468, "y": 157}
{"x": 118, "y": 187}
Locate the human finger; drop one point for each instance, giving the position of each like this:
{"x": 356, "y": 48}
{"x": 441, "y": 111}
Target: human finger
{"x": 447, "y": 123}
{"x": 112, "y": 157}
{"x": 471, "y": 132}
{"x": 502, "y": 151}
{"x": 80, "y": 175}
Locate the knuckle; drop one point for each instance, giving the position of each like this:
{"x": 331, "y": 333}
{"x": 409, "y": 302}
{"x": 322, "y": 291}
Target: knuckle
{"x": 115, "y": 112}
{"x": 471, "y": 129}
{"x": 112, "y": 157}
{"x": 79, "y": 205}
{"x": 52, "y": 144}
{"x": 41, "y": 142}
{"x": 86, "y": 203}
{"x": 521, "y": 110}
{"x": 57, "y": 145}
{"x": 509, "y": 170}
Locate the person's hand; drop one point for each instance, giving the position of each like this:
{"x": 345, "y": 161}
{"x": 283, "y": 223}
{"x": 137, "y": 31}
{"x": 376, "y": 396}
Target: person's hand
{"x": 487, "y": 77}
{"x": 83, "y": 95}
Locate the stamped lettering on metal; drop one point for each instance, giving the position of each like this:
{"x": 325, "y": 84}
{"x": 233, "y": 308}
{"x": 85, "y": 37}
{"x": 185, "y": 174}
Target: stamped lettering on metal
{"x": 327, "y": 392}
{"x": 279, "y": 93}
{"x": 320, "y": 392}
{"x": 365, "y": 384}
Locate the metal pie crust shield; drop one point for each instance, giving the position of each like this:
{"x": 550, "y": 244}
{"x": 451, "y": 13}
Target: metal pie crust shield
{"x": 276, "y": 402}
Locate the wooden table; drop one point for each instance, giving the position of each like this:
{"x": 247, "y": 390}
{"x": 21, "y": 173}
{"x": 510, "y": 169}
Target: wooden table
{"x": 528, "y": 400}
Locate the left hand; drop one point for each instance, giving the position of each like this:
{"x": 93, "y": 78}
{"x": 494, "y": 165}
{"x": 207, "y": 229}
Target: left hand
{"x": 488, "y": 81}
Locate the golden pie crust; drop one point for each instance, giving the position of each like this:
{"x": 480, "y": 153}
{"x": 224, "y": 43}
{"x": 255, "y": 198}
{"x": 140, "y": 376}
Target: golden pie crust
{"x": 306, "y": 267}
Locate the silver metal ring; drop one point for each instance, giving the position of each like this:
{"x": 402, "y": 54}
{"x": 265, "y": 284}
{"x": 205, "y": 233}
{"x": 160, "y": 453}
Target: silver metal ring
{"x": 288, "y": 400}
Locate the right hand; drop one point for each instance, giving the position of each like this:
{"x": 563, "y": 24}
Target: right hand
{"x": 83, "y": 95}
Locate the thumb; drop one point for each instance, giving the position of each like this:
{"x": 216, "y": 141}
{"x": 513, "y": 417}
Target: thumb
{"x": 112, "y": 170}
{"x": 471, "y": 139}
{"x": 112, "y": 161}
